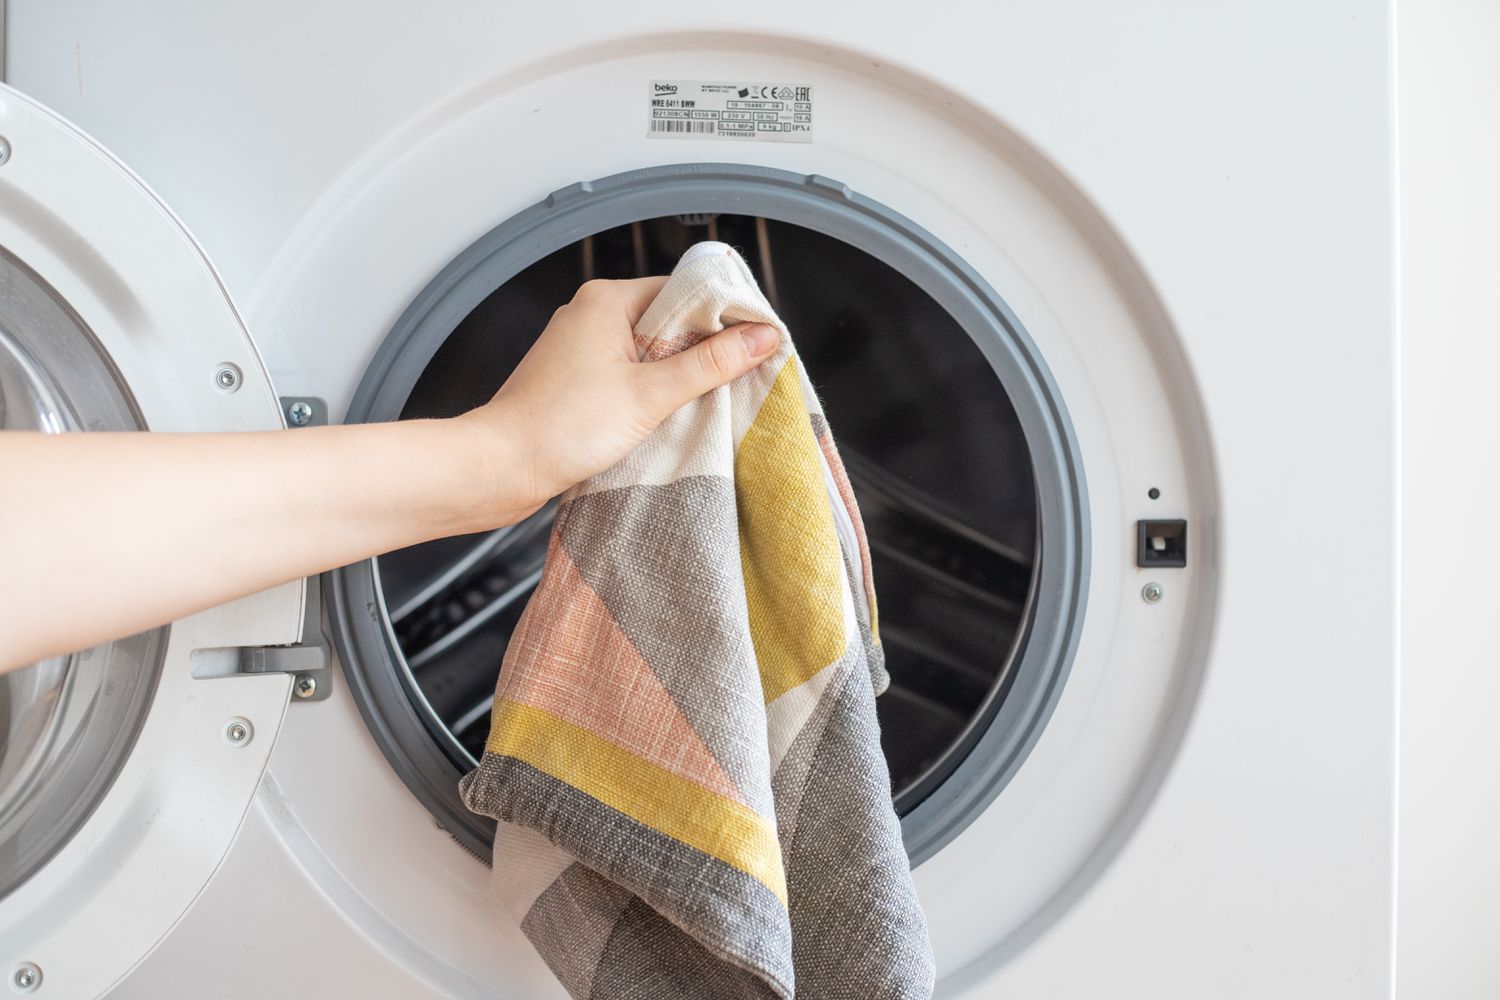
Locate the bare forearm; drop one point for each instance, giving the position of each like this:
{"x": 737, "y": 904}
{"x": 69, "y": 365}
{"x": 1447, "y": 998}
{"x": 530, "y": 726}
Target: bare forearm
{"x": 103, "y": 535}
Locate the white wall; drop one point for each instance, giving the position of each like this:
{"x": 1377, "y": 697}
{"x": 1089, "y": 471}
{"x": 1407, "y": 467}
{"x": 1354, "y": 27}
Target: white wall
{"x": 1448, "y": 924}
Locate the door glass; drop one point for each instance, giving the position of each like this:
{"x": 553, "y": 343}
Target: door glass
{"x": 67, "y": 723}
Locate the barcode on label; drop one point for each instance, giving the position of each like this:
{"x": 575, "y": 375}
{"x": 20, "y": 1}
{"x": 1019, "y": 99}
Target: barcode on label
{"x": 668, "y": 125}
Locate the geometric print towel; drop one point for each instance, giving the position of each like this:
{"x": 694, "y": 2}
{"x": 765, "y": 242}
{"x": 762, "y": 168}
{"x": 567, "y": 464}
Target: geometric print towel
{"x": 684, "y": 758}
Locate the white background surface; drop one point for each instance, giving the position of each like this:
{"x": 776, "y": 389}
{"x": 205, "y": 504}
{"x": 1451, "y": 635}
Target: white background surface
{"x": 1449, "y": 889}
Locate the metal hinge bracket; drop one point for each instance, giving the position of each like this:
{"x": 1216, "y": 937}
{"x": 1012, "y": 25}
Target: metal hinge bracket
{"x": 311, "y": 661}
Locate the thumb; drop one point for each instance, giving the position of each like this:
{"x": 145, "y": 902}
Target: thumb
{"x": 712, "y": 362}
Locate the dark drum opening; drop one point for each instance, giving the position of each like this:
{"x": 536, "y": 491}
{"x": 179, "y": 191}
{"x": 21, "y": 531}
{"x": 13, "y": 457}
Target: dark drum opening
{"x": 933, "y": 445}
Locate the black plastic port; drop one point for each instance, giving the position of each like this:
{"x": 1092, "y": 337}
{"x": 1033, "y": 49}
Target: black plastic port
{"x": 1160, "y": 543}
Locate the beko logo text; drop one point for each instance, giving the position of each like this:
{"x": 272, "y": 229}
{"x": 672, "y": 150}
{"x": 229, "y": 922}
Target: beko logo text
{"x": 665, "y": 88}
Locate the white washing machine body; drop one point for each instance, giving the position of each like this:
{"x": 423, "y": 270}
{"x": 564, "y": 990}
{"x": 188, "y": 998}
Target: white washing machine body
{"x": 1190, "y": 210}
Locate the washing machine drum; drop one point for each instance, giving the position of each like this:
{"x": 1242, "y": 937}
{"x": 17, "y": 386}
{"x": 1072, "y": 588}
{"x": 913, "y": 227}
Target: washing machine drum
{"x": 976, "y": 543}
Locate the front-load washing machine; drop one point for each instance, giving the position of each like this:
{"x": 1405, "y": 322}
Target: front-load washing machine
{"x": 1099, "y": 298}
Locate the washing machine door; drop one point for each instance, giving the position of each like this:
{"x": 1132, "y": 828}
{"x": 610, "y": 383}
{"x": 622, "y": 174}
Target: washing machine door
{"x": 123, "y": 777}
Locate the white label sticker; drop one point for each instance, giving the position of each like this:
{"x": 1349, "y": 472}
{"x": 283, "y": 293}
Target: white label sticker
{"x": 695, "y": 109}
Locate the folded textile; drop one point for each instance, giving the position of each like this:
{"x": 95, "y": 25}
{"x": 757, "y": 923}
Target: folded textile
{"x": 684, "y": 756}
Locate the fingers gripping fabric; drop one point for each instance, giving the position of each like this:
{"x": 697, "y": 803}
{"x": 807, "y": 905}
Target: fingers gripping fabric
{"x": 684, "y": 756}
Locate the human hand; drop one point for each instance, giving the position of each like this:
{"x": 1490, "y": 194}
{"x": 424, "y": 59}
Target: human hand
{"x": 580, "y": 400}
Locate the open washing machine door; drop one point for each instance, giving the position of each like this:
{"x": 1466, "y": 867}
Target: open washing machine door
{"x": 123, "y": 776}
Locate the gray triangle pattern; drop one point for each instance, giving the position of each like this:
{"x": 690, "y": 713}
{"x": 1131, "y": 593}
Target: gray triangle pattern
{"x": 862, "y": 934}
{"x": 789, "y": 783}
{"x": 665, "y": 560}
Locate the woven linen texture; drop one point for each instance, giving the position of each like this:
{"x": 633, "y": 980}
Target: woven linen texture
{"x": 684, "y": 757}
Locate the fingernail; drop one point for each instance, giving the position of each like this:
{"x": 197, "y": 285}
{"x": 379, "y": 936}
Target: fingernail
{"x": 759, "y": 339}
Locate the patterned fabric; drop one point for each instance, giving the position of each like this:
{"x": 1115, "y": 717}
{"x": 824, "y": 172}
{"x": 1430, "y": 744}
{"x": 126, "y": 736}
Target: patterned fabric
{"x": 684, "y": 756}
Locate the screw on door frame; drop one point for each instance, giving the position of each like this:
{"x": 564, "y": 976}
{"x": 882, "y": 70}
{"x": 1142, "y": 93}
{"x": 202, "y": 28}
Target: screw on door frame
{"x": 305, "y": 686}
{"x": 238, "y": 732}
{"x": 4, "y": 150}
{"x": 299, "y": 414}
{"x": 26, "y": 978}
{"x": 227, "y": 377}
{"x": 1152, "y": 593}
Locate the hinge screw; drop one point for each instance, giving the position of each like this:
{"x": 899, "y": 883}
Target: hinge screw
{"x": 305, "y": 686}
{"x": 1152, "y": 592}
{"x": 26, "y": 978}
{"x": 238, "y": 732}
{"x": 299, "y": 414}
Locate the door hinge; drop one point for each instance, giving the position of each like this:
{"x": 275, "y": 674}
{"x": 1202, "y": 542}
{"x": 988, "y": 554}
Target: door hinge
{"x": 310, "y": 662}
